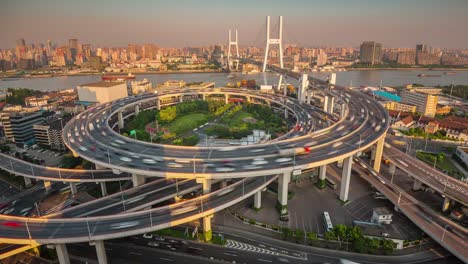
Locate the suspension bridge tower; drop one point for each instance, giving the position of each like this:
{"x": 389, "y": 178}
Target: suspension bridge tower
{"x": 233, "y": 63}
{"x": 271, "y": 41}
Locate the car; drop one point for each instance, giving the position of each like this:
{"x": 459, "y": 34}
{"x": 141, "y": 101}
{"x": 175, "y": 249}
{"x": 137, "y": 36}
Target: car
{"x": 83, "y": 148}
{"x": 135, "y": 156}
{"x": 125, "y": 159}
{"x": 9, "y": 211}
{"x": 281, "y": 160}
{"x": 224, "y": 169}
{"x": 124, "y": 224}
{"x": 12, "y": 224}
{"x": 148, "y": 236}
{"x": 119, "y": 141}
{"x": 174, "y": 165}
{"x": 160, "y": 238}
{"x": 182, "y": 161}
{"x": 149, "y": 161}
{"x": 259, "y": 161}
{"x": 153, "y": 244}
{"x": 251, "y": 167}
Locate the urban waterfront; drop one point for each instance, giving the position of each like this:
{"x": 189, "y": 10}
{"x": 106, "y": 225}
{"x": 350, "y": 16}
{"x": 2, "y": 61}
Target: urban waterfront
{"x": 358, "y": 78}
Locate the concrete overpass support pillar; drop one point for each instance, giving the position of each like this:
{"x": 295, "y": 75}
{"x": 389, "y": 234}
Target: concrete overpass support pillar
{"x": 181, "y": 99}
{"x": 339, "y": 164}
{"x": 392, "y": 168}
{"x": 137, "y": 109}
{"x": 100, "y": 252}
{"x": 258, "y": 200}
{"x": 103, "y": 189}
{"x": 346, "y": 178}
{"x": 158, "y": 104}
{"x": 206, "y": 184}
{"x": 343, "y": 111}
{"x": 62, "y": 253}
{"x": 138, "y": 180}
{"x": 47, "y": 185}
{"x": 446, "y": 204}
{"x": 325, "y": 103}
{"x": 207, "y": 233}
{"x": 378, "y": 154}
{"x": 323, "y": 172}
{"x": 309, "y": 97}
{"x": 283, "y": 182}
{"x": 120, "y": 121}
{"x": 226, "y": 98}
{"x": 223, "y": 184}
{"x": 417, "y": 185}
{"x": 331, "y": 104}
{"x": 27, "y": 182}
{"x": 204, "y": 97}
{"x": 73, "y": 188}
{"x": 286, "y": 113}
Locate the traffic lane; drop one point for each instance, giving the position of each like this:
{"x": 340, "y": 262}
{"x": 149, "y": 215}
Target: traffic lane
{"x": 105, "y": 202}
{"x": 124, "y": 253}
{"x": 43, "y": 229}
{"x": 413, "y": 212}
{"x": 435, "y": 179}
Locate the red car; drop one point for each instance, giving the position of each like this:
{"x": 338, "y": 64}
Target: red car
{"x": 12, "y": 224}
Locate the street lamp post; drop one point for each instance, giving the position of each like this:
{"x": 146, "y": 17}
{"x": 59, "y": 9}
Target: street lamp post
{"x": 37, "y": 208}
{"x": 443, "y": 234}
{"x": 399, "y": 198}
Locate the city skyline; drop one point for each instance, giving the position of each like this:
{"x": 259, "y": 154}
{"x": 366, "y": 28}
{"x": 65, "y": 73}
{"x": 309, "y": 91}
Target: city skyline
{"x": 307, "y": 23}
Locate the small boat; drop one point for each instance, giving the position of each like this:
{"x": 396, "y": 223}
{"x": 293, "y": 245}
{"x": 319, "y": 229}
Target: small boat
{"x": 428, "y": 75}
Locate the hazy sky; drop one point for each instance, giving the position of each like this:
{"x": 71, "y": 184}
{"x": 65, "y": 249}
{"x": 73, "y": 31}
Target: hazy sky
{"x": 395, "y": 23}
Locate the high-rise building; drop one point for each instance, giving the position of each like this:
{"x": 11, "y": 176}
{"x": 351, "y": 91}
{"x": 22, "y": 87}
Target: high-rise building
{"x": 73, "y": 45}
{"x": 49, "y": 133}
{"x": 422, "y": 47}
{"x": 370, "y": 52}
{"x": 427, "y": 58}
{"x": 20, "y": 42}
{"x": 406, "y": 57}
{"x": 321, "y": 58}
{"x": 426, "y": 104}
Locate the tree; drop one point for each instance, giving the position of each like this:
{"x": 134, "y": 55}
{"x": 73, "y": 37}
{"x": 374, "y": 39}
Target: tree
{"x": 373, "y": 244}
{"x": 299, "y": 234}
{"x": 340, "y": 231}
{"x": 312, "y": 237}
{"x": 387, "y": 246}
{"x": 359, "y": 245}
{"x": 287, "y": 232}
{"x": 330, "y": 235}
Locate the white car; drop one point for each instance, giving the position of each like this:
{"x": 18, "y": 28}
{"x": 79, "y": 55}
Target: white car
{"x": 124, "y": 225}
{"x": 135, "y": 156}
{"x": 174, "y": 165}
{"x": 125, "y": 159}
{"x": 149, "y": 161}
{"x": 83, "y": 148}
{"x": 224, "y": 169}
{"x": 281, "y": 160}
{"x": 259, "y": 161}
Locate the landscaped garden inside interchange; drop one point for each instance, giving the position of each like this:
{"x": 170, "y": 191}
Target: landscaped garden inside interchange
{"x": 178, "y": 124}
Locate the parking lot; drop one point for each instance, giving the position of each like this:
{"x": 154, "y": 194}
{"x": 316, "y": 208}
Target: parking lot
{"x": 50, "y": 157}
{"x": 307, "y": 205}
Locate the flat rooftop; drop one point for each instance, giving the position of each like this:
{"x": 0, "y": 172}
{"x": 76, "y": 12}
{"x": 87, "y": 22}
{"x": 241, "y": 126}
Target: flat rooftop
{"x": 102, "y": 84}
{"x": 388, "y": 96}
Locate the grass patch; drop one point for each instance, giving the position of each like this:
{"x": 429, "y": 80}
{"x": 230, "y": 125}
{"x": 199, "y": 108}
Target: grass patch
{"x": 442, "y": 163}
{"x": 238, "y": 118}
{"x": 188, "y": 122}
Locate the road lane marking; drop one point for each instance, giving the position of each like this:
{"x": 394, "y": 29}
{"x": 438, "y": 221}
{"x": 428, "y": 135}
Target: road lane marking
{"x": 135, "y": 253}
{"x": 264, "y": 260}
{"x": 230, "y": 254}
{"x": 166, "y": 259}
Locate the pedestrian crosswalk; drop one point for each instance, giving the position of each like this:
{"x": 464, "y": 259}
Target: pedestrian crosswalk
{"x": 242, "y": 246}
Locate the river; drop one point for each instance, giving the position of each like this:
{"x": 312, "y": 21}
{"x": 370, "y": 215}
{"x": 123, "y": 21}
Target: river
{"x": 358, "y": 78}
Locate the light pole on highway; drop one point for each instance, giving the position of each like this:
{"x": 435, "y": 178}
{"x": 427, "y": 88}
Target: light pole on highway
{"x": 37, "y": 208}
{"x": 443, "y": 234}
{"x": 399, "y": 198}
{"x": 123, "y": 200}
{"x": 393, "y": 173}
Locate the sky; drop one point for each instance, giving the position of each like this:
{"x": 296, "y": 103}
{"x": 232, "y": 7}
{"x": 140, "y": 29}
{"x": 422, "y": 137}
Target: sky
{"x": 181, "y": 23}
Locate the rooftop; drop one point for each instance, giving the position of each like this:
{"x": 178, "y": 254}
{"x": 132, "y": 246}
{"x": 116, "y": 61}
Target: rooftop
{"x": 102, "y": 84}
{"x": 388, "y": 96}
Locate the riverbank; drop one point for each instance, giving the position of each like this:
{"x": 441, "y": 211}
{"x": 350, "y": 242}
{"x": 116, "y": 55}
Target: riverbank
{"x": 407, "y": 69}
{"x": 108, "y": 73}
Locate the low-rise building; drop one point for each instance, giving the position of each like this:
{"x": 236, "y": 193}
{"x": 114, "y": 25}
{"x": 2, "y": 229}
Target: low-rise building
{"x": 381, "y": 215}
{"x": 102, "y": 92}
{"x": 390, "y": 105}
{"x": 140, "y": 86}
{"x": 462, "y": 153}
{"x": 426, "y": 104}
{"x": 18, "y": 127}
{"x": 49, "y": 133}
{"x": 404, "y": 123}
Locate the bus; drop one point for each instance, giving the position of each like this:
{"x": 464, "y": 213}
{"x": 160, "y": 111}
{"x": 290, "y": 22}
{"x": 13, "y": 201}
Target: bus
{"x": 330, "y": 183}
{"x": 327, "y": 221}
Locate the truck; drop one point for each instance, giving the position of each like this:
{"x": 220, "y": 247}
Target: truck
{"x": 293, "y": 151}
